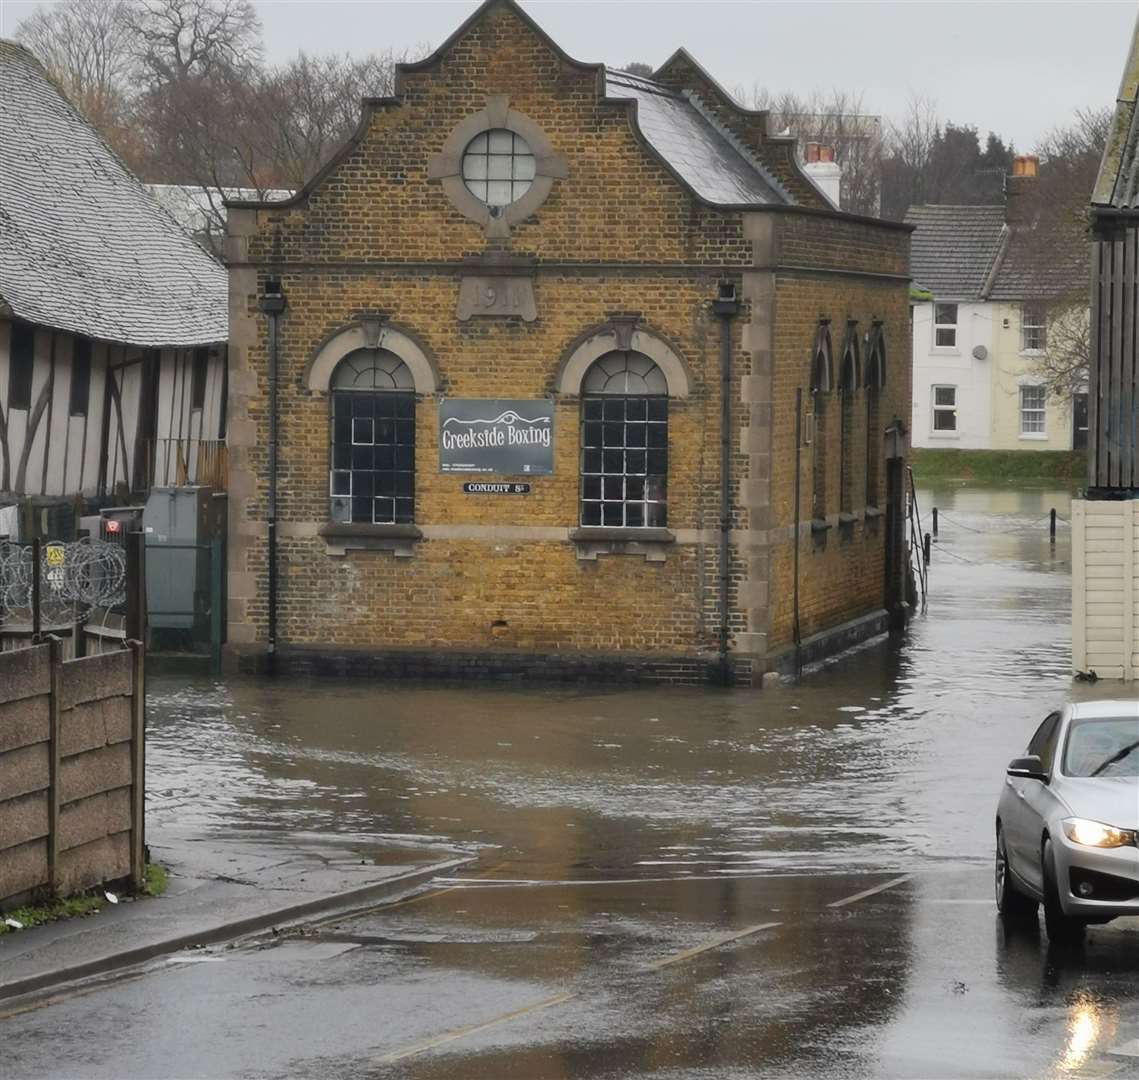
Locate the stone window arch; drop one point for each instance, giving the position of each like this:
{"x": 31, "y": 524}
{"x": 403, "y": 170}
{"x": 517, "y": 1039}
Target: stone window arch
{"x": 372, "y": 439}
{"x": 621, "y": 335}
{"x": 624, "y": 442}
{"x": 370, "y": 333}
{"x": 497, "y": 120}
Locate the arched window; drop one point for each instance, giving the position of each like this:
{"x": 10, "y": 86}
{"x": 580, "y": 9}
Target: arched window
{"x": 624, "y": 442}
{"x": 372, "y": 476}
{"x": 847, "y": 385}
{"x": 821, "y": 381}
{"x": 875, "y": 380}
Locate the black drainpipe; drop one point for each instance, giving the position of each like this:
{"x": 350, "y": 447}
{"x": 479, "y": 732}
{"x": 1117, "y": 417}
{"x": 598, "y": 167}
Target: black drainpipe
{"x": 795, "y": 536}
{"x": 273, "y": 305}
{"x": 726, "y": 306}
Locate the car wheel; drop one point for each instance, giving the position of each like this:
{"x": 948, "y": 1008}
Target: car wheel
{"x": 1013, "y": 905}
{"x": 1062, "y": 929}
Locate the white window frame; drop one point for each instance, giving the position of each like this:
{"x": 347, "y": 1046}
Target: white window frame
{"x": 1040, "y": 412}
{"x": 938, "y": 326}
{"x": 935, "y": 408}
{"x": 1038, "y": 312}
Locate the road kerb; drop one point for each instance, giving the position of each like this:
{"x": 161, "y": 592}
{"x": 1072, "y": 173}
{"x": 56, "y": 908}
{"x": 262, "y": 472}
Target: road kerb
{"x": 214, "y": 935}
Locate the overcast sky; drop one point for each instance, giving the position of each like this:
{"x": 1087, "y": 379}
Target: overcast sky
{"x": 1015, "y": 68}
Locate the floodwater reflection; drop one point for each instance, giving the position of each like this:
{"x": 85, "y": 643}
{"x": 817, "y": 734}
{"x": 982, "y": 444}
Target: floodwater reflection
{"x": 882, "y": 759}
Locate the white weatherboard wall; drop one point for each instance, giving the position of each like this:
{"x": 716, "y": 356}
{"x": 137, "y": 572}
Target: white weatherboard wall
{"x": 1105, "y": 588}
{"x": 955, "y": 367}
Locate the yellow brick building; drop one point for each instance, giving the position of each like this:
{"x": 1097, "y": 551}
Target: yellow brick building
{"x": 517, "y": 367}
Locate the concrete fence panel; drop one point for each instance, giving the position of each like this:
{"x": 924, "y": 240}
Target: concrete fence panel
{"x": 1105, "y": 588}
{"x": 72, "y": 780}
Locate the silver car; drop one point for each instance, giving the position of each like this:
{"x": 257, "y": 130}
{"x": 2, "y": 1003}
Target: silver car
{"x": 1068, "y": 821}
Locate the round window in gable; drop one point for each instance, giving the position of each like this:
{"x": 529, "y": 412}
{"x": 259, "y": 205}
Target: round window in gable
{"x": 498, "y": 167}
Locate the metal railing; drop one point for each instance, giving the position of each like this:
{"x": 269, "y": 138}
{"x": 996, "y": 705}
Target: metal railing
{"x": 917, "y": 545}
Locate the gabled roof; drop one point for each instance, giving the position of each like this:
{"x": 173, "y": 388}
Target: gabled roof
{"x": 1117, "y": 185}
{"x": 707, "y": 159}
{"x": 953, "y": 248}
{"x": 84, "y": 247}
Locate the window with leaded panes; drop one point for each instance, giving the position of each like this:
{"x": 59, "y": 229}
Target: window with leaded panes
{"x": 624, "y": 442}
{"x": 372, "y": 475}
{"x": 498, "y": 167}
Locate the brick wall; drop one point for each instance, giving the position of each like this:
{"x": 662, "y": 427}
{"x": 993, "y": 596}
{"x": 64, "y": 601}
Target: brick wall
{"x": 70, "y": 772}
{"x": 618, "y": 235}
{"x": 841, "y": 576}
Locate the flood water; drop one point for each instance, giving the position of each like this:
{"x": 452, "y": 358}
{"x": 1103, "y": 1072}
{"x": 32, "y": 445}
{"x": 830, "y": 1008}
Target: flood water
{"x": 669, "y": 883}
{"x": 890, "y": 757}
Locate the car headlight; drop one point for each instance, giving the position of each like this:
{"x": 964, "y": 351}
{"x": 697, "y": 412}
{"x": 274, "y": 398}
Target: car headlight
{"x": 1096, "y": 833}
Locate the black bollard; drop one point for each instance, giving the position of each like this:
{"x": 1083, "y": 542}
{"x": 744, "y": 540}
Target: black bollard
{"x": 1052, "y": 526}
{"x": 926, "y": 548}
{"x": 935, "y": 522}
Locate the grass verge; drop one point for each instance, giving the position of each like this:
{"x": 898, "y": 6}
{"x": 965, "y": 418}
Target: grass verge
{"x": 1000, "y": 466}
{"x": 78, "y": 907}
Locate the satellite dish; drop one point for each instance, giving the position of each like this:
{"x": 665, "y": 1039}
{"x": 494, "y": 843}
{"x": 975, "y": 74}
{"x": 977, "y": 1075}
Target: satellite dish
{"x": 980, "y": 352}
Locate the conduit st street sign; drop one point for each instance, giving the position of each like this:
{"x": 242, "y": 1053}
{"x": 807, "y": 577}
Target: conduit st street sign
{"x": 495, "y": 489}
{"x": 496, "y": 435}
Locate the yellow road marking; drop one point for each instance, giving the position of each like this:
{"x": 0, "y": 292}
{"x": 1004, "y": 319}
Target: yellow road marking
{"x": 471, "y": 1029}
{"x": 711, "y": 943}
{"x": 869, "y": 892}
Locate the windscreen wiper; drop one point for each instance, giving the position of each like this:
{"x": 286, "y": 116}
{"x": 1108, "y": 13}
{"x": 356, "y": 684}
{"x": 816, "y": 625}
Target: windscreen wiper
{"x": 1119, "y": 755}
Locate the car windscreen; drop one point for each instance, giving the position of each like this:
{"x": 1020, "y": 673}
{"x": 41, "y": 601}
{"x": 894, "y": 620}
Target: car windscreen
{"x": 1102, "y": 746}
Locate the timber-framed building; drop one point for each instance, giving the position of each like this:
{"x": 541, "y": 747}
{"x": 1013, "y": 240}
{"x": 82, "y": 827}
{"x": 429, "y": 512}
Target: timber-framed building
{"x": 113, "y": 322}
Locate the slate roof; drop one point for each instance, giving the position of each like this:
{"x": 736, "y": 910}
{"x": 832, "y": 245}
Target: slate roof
{"x": 706, "y": 158}
{"x": 1033, "y": 269}
{"x": 1117, "y": 184}
{"x": 84, "y": 247}
{"x": 952, "y": 248}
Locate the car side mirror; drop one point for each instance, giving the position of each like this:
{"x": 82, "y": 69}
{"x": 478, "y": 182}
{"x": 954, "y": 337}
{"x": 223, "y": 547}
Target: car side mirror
{"x": 1029, "y": 768}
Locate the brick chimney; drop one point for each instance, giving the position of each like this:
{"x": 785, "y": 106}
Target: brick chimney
{"x": 822, "y": 168}
{"x": 1019, "y": 189}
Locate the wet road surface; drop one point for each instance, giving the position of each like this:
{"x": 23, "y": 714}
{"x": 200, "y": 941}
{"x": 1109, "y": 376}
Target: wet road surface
{"x": 670, "y": 883}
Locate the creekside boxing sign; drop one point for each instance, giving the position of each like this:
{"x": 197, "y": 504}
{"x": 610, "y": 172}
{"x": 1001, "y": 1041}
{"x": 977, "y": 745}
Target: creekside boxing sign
{"x": 493, "y": 435}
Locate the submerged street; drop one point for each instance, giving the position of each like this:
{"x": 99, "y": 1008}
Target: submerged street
{"x": 665, "y": 882}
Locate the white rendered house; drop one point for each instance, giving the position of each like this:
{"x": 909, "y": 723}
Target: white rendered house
{"x": 977, "y": 342}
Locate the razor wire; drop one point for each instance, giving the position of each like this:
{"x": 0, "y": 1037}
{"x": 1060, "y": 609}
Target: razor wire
{"x": 75, "y": 579}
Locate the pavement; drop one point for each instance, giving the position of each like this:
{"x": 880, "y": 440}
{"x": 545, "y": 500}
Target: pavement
{"x": 220, "y": 887}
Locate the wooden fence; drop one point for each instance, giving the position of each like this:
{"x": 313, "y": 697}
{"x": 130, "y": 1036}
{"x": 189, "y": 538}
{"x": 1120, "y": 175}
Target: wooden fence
{"x": 72, "y": 771}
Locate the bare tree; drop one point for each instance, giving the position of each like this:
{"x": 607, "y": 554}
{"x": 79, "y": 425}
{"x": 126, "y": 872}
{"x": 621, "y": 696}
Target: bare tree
{"x": 174, "y": 40}
{"x": 312, "y": 104}
{"x": 839, "y": 120}
{"x": 86, "y": 47}
{"x": 1057, "y": 245}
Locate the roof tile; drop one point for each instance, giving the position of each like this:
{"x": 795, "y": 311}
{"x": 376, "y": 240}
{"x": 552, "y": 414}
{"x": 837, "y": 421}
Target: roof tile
{"x": 83, "y": 246}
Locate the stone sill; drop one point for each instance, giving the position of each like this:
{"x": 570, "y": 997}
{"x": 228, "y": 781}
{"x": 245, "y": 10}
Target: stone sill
{"x": 874, "y": 512}
{"x": 342, "y": 537}
{"x": 819, "y": 527}
{"x": 650, "y": 544}
{"x": 847, "y": 518}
